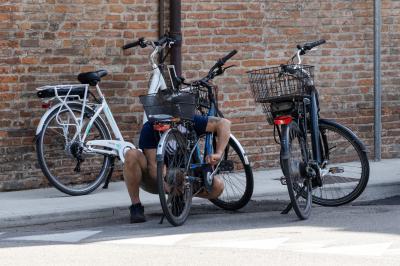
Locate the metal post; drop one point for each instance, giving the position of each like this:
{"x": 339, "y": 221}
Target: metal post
{"x": 161, "y": 18}
{"x": 377, "y": 80}
{"x": 175, "y": 28}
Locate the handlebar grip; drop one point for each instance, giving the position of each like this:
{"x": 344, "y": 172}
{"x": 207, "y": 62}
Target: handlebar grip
{"x": 309, "y": 46}
{"x": 130, "y": 45}
{"x": 228, "y": 56}
{"x": 134, "y": 44}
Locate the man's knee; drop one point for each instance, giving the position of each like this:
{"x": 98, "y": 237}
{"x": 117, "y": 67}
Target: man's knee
{"x": 226, "y": 122}
{"x": 132, "y": 158}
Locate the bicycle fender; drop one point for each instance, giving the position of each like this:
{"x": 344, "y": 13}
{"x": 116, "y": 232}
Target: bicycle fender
{"x": 349, "y": 131}
{"x": 246, "y": 159}
{"x": 160, "y": 146}
{"x": 285, "y": 154}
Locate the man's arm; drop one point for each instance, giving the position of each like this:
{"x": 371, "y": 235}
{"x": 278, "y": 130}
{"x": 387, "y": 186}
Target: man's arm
{"x": 221, "y": 127}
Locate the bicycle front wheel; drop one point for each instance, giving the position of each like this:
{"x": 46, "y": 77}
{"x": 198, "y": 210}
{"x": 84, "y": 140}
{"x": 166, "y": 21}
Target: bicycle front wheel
{"x": 237, "y": 177}
{"x": 174, "y": 187}
{"x": 293, "y": 160}
{"x": 346, "y": 169}
{"x": 58, "y": 152}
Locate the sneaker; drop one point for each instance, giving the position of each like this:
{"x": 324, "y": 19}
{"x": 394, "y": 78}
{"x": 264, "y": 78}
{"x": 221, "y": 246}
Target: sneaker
{"x": 137, "y": 213}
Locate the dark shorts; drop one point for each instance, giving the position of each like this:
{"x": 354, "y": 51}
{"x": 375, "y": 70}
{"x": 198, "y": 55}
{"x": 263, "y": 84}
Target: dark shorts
{"x": 149, "y": 137}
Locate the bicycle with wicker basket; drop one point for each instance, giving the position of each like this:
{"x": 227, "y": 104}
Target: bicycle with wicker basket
{"x": 322, "y": 161}
{"x": 181, "y": 154}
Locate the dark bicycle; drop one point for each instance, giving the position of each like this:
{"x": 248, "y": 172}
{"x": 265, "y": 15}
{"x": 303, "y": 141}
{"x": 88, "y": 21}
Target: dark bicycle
{"x": 322, "y": 161}
{"x": 182, "y": 171}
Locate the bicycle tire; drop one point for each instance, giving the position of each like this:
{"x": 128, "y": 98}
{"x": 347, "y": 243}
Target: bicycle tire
{"x": 240, "y": 200}
{"x": 172, "y": 161}
{"x": 72, "y": 186}
{"x": 298, "y": 185}
{"x": 350, "y": 147}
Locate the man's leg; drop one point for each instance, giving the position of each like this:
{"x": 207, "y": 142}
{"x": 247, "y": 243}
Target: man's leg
{"x": 216, "y": 190}
{"x": 134, "y": 168}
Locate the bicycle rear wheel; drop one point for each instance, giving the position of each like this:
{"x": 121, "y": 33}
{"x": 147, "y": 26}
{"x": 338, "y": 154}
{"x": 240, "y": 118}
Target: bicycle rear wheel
{"x": 58, "y": 153}
{"x": 237, "y": 177}
{"x": 347, "y": 166}
{"x": 174, "y": 188}
{"x": 292, "y": 164}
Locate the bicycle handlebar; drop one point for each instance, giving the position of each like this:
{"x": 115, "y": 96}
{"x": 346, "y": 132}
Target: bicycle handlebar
{"x": 221, "y": 62}
{"x": 306, "y": 47}
{"x": 143, "y": 43}
{"x": 309, "y": 46}
{"x": 228, "y": 56}
{"x": 134, "y": 44}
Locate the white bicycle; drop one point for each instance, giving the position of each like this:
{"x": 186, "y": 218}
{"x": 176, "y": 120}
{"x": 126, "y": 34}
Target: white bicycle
{"x": 75, "y": 148}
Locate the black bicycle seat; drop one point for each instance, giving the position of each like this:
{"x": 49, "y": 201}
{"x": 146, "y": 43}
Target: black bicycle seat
{"x": 160, "y": 118}
{"x": 92, "y": 78}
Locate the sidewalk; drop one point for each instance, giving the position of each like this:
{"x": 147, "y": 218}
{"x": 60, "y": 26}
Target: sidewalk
{"x": 42, "y": 206}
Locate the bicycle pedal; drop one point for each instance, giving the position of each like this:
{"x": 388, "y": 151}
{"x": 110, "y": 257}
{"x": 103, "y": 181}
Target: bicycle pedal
{"x": 283, "y": 180}
{"x": 336, "y": 170}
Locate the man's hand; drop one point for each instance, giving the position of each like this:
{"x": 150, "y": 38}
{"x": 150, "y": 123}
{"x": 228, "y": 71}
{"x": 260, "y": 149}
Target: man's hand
{"x": 213, "y": 159}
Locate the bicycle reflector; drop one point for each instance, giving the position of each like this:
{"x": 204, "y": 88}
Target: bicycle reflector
{"x": 46, "y": 105}
{"x": 283, "y": 120}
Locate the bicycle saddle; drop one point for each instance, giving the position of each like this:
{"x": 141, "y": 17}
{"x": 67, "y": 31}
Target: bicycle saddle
{"x": 160, "y": 118}
{"x": 92, "y": 78}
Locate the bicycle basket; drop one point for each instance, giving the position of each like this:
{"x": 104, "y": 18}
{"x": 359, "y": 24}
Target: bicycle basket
{"x": 179, "y": 105}
{"x": 277, "y": 83}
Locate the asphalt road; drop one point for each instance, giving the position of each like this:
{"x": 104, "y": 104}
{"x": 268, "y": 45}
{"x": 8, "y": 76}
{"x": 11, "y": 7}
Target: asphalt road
{"x": 365, "y": 234}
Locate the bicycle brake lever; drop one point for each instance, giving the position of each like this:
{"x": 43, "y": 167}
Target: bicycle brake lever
{"x": 225, "y": 68}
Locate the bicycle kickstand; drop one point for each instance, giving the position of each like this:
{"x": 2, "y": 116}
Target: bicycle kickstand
{"x": 287, "y": 209}
{"x": 162, "y": 219}
{"x": 108, "y": 179}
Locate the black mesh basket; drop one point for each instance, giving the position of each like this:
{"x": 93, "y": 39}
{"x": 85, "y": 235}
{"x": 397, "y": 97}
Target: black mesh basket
{"x": 203, "y": 102}
{"x": 178, "y": 105}
{"x": 277, "y": 83}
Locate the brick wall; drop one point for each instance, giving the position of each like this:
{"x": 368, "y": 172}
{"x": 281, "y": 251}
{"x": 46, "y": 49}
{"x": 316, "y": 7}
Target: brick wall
{"x": 51, "y": 41}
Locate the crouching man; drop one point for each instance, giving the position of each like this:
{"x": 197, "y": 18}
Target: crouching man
{"x": 140, "y": 169}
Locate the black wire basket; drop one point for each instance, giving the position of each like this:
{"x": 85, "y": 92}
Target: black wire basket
{"x": 203, "y": 101}
{"x": 176, "y": 104}
{"x": 274, "y": 84}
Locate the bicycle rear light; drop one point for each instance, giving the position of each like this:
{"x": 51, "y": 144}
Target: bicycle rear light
{"x": 283, "y": 120}
{"x": 161, "y": 127}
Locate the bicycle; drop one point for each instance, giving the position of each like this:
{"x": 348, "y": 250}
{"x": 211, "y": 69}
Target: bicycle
{"x": 75, "y": 148}
{"x": 181, "y": 154}
{"x": 311, "y": 173}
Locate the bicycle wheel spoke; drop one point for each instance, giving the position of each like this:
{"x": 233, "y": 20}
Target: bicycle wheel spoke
{"x": 341, "y": 187}
{"x": 177, "y": 201}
